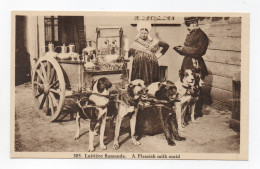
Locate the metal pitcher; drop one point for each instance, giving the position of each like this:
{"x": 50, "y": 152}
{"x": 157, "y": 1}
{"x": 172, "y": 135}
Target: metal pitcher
{"x": 71, "y": 48}
{"x": 51, "y": 50}
{"x": 50, "y": 47}
{"x": 63, "y": 48}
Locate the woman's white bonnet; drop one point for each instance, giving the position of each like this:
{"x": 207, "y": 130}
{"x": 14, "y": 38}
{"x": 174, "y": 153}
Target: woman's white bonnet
{"x": 144, "y": 24}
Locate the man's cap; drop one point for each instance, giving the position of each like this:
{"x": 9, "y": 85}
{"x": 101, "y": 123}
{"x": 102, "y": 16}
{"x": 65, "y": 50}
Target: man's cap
{"x": 191, "y": 19}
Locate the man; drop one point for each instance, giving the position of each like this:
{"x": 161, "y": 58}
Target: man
{"x": 195, "y": 46}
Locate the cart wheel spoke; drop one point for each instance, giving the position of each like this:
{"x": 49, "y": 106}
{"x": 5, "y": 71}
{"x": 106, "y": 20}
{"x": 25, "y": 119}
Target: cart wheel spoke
{"x": 43, "y": 70}
{"x": 55, "y": 91}
{"x": 48, "y": 70}
{"x": 38, "y": 86}
{"x": 37, "y": 83}
{"x": 47, "y": 104}
{"x": 52, "y": 75}
{"x": 40, "y": 75}
{"x": 51, "y": 105}
{"x": 43, "y": 100}
{"x": 38, "y": 95}
{"x": 54, "y": 100}
{"x": 53, "y": 84}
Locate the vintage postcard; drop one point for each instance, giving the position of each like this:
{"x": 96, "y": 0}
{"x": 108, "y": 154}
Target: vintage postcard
{"x": 129, "y": 85}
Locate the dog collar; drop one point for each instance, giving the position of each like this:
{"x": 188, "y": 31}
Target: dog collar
{"x": 128, "y": 99}
{"x": 186, "y": 87}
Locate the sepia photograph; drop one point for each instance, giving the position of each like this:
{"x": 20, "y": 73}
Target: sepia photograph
{"x": 129, "y": 85}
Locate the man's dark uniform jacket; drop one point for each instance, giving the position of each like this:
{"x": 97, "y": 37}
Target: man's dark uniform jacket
{"x": 195, "y": 46}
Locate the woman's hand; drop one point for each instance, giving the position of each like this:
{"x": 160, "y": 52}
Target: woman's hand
{"x": 158, "y": 55}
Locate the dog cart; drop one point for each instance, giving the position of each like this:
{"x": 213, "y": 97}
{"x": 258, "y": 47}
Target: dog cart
{"x": 56, "y": 76}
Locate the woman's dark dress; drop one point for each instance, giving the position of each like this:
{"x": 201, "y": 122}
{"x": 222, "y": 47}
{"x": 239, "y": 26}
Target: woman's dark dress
{"x": 145, "y": 64}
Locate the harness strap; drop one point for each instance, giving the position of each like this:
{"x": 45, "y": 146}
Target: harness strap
{"x": 88, "y": 106}
{"x": 101, "y": 95}
{"x": 83, "y": 111}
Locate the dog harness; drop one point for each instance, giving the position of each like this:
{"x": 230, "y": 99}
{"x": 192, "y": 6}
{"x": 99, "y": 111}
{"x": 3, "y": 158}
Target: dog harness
{"x": 183, "y": 90}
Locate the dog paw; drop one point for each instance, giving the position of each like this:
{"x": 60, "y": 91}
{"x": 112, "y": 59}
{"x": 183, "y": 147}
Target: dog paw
{"x": 136, "y": 143}
{"x": 181, "y": 129}
{"x": 170, "y": 142}
{"x": 91, "y": 149}
{"x": 116, "y": 146}
{"x": 181, "y": 138}
{"x": 76, "y": 137}
{"x": 184, "y": 124}
{"x": 194, "y": 121}
{"x": 103, "y": 147}
{"x": 95, "y": 133}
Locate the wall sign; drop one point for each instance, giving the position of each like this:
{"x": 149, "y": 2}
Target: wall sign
{"x": 159, "y": 20}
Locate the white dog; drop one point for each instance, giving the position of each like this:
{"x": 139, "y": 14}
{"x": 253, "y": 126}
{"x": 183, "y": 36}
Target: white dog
{"x": 184, "y": 86}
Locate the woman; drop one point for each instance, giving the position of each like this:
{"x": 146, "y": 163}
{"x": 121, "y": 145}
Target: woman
{"x": 146, "y": 51}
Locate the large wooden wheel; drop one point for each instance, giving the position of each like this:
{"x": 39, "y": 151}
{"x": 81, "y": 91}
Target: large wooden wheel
{"x": 48, "y": 86}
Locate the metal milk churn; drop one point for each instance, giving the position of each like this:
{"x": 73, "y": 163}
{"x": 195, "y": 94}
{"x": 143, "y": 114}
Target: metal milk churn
{"x": 71, "y": 48}
{"x": 72, "y": 52}
{"x": 89, "y": 52}
{"x": 50, "y": 47}
{"x": 63, "y": 48}
{"x": 51, "y": 50}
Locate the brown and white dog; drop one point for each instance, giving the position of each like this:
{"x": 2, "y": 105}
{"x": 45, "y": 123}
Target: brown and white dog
{"x": 99, "y": 98}
{"x": 128, "y": 104}
{"x": 184, "y": 86}
{"x": 166, "y": 91}
{"x": 199, "y": 82}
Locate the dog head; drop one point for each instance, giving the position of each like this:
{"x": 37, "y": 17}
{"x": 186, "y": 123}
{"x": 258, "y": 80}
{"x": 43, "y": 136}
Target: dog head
{"x": 136, "y": 89}
{"x": 167, "y": 91}
{"x": 187, "y": 77}
{"x": 102, "y": 84}
{"x": 199, "y": 80}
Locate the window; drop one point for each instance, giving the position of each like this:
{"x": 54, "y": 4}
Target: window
{"x": 51, "y": 29}
{"x": 65, "y": 30}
